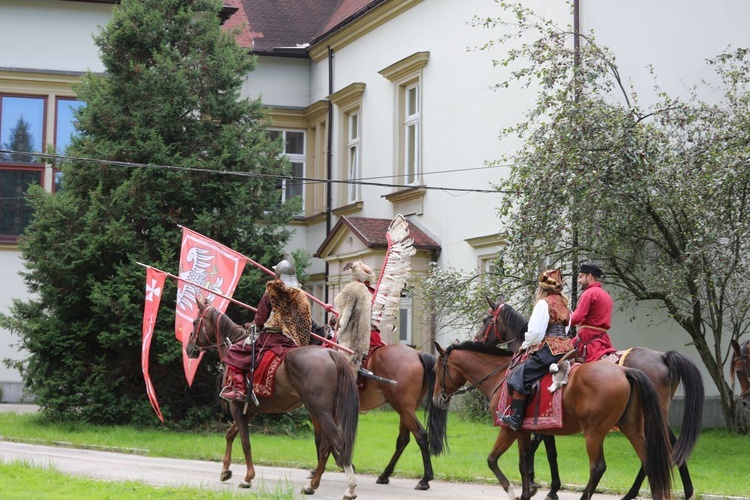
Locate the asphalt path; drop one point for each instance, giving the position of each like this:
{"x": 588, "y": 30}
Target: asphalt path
{"x": 112, "y": 466}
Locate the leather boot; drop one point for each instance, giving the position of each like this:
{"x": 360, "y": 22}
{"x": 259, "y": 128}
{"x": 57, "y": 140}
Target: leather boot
{"x": 515, "y": 419}
{"x": 236, "y": 390}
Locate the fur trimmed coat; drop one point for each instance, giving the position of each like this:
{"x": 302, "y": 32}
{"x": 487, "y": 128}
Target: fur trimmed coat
{"x": 354, "y": 304}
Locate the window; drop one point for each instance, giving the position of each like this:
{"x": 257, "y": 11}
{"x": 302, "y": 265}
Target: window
{"x": 353, "y": 157}
{"x": 24, "y": 120}
{"x": 294, "y": 148}
{"x": 406, "y": 75}
{"x": 348, "y": 156}
{"x": 410, "y": 134}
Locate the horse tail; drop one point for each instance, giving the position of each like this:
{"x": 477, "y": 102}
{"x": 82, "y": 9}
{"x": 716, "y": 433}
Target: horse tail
{"x": 658, "y": 464}
{"x": 345, "y": 407}
{"x": 437, "y": 418}
{"x": 682, "y": 368}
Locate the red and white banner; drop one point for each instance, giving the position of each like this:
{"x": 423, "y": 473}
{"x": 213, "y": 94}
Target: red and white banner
{"x": 211, "y": 265}
{"x": 154, "y": 287}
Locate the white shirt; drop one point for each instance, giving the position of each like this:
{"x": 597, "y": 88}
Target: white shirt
{"x": 538, "y": 323}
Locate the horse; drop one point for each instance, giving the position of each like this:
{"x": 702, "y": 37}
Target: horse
{"x": 740, "y": 367}
{"x": 414, "y": 373}
{"x": 318, "y": 378}
{"x": 666, "y": 371}
{"x": 597, "y": 397}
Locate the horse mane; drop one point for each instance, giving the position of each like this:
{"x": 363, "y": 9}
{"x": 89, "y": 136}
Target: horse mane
{"x": 472, "y": 346}
{"x": 517, "y": 323}
{"x": 234, "y": 331}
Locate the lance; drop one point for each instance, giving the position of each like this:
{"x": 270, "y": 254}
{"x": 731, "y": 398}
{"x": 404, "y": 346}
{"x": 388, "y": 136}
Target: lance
{"x": 241, "y": 304}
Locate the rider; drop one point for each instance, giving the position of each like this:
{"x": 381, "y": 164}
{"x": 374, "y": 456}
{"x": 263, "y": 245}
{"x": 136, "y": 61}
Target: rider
{"x": 545, "y": 343}
{"x": 594, "y": 314}
{"x": 284, "y": 320}
{"x": 354, "y": 304}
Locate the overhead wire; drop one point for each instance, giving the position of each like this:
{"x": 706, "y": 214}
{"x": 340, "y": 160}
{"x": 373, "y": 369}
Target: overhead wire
{"x": 305, "y": 180}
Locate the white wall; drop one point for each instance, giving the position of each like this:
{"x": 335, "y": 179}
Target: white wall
{"x": 52, "y": 35}
{"x": 280, "y": 82}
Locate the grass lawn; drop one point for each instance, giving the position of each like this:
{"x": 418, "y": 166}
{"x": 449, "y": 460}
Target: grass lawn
{"x": 720, "y": 464}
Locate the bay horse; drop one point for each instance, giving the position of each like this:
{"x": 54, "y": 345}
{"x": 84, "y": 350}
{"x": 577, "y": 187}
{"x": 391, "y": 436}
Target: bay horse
{"x": 414, "y": 372}
{"x": 740, "y": 367}
{"x": 318, "y": 378}
{"x": 597, "y": 397}
{"x": 666, "y": 371}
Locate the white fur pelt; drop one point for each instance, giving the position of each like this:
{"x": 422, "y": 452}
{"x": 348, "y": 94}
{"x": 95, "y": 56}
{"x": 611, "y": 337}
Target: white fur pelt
{"x": 355, "y": 310}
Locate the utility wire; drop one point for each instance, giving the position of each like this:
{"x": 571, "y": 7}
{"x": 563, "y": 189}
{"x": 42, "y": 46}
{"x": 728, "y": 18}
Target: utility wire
{"x": 259, "y": 175}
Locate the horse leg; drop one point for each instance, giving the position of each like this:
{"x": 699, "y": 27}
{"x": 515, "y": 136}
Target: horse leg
{"x": 597, "y": 465}
{"x": 505, "y": 439}
{"x": 240, "y": 420}
{"x": 227, "y": 461}
{"x": 351, "y": 483}
{"x": 524, "y": 465}
{"x": 556, "y": 484}
{"x": 536, "y": 440}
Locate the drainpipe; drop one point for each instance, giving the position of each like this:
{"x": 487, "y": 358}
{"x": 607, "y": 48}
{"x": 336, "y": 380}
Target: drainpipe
{"x": 329, "y": 164}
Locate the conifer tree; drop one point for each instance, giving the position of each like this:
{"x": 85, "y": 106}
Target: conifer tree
{"x": 175, "y": 144}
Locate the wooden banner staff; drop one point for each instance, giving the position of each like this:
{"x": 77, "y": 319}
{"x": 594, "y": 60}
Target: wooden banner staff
{"x": 241, "y": 304}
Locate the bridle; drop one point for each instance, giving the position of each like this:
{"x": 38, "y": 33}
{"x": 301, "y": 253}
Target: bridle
{"x": 492, "y": 326}
{"x": 201, "y": 327}
{"x": 444, "y": 396}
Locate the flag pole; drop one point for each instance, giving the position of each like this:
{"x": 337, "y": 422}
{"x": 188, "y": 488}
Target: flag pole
{"x": 323, "y": 339}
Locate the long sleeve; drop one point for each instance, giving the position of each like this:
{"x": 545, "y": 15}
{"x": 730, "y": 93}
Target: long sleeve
{"x": 537, "y": 324}
{"x": 264, "y": 311}
{"x": 582, "y": 309}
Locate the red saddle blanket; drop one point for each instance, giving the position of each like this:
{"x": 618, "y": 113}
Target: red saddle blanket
{"x": 543, "y": 411}
{"x": 265, "y": 373}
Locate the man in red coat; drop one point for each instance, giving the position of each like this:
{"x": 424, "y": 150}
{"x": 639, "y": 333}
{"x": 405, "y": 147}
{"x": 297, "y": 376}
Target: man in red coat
{"x": 594, "y": 315}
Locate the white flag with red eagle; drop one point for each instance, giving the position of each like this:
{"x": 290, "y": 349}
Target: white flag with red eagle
{"x": 211, "y": 265}
{"x": 154, "y": 287}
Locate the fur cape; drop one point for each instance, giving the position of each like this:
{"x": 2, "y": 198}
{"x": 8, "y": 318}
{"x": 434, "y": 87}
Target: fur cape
{"x": 290, "y": 312}
{"x": 354, "y": 304}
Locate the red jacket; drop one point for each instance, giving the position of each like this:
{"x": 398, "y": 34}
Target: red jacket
{"x": 594, "y": 308}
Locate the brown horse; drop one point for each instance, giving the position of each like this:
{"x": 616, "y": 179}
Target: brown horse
{"x": 666, "y": 371}
{"x": 598, "y": 396}
{"x": 312, "y": 376}
{"x": 740, "y": 367}
{"x": 414, "y": 372}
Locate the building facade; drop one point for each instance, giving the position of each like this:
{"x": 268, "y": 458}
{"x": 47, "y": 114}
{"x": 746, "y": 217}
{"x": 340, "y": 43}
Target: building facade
{"x": 388, "y": 102}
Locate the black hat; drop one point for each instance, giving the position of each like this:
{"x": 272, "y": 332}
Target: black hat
{"x": 591, "y": 268}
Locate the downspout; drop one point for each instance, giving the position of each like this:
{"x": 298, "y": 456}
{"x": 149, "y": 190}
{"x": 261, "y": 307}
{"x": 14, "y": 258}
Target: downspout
{"x": 329, "y": 165}
{"x": 576, "y": 64}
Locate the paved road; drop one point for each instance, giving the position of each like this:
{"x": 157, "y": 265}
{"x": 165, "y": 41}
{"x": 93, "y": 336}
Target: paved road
{"x": 172, "y": 472}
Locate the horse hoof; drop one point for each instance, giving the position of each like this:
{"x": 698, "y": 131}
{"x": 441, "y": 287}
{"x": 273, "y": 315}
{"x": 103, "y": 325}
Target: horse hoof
{"x": 552, "y": 496}
{"x": 422, "y": 486}
{"x": 382, "y": 480}
{"x": 244, "y": 484}
{"x": 225, "y": 474}
{"x": 308, "y": 490}
{"x": 348, "y": 497}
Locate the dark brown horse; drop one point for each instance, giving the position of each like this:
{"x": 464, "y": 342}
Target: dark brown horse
{"x": 666, "y": 371}
{"x": 414, "y": 372}
{"x": 318, "y": 378}
{"x": 740, "y": 367}
{"x": 597, "y": 397}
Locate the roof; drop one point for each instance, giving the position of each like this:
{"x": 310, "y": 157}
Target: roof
{"x": 372, "y": 232}
{"x": 287, "y": 27}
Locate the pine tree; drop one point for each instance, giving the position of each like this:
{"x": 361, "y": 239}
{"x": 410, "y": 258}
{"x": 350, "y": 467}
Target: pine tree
{"x": 21, "y": 139}
{"x": 178, "y": 146}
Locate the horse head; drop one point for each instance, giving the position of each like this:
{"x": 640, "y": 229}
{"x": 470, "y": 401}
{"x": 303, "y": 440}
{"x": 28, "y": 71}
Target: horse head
{"x": 200, "y": 338}
{"x": 450, "y": 380}
{"x": 740, "y": 366}
{"x": 501, "y": 325}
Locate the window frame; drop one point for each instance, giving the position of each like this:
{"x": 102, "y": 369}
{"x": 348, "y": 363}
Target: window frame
{"x": 294, "y": 158}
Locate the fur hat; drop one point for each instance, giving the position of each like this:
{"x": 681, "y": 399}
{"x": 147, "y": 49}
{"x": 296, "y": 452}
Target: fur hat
{"x": 360, "y": 272}
{"x": 551, "y": 280}
{"x": 592, "y": 269}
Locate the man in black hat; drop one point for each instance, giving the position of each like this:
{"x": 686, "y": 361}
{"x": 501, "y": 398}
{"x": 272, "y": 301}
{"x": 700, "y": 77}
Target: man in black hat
{"x": 594, "y": 315}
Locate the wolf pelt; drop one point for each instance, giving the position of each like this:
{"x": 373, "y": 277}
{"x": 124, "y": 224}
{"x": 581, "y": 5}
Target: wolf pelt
{"x": 355, "y": 310}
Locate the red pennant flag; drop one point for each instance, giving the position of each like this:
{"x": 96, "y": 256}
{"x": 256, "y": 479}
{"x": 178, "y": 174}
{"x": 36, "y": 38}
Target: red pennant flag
{"x": 209, "y": 264}
{"x": 154, "y": 287}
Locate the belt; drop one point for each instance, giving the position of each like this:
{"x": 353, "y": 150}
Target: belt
{"x": 594, "y": 328}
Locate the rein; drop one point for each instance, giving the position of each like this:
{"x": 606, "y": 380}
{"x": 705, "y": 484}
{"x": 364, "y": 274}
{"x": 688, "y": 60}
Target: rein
{"x": 467, "y": 388}
{"x": 217, "y": 344}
